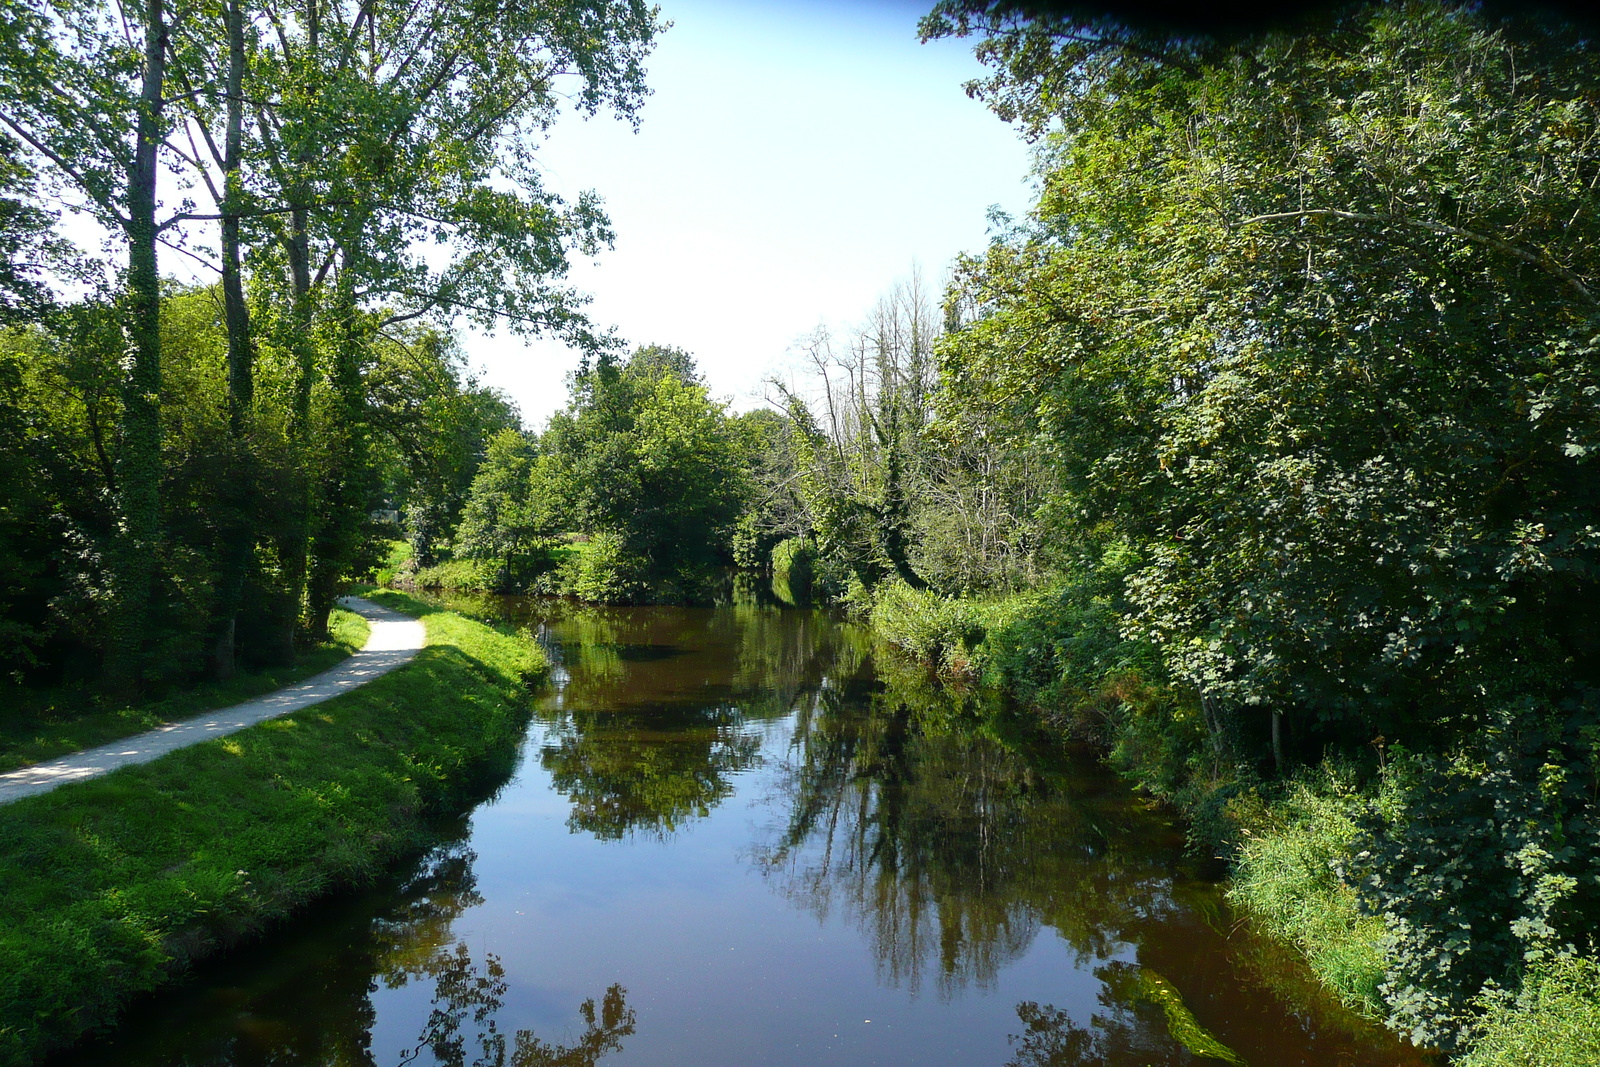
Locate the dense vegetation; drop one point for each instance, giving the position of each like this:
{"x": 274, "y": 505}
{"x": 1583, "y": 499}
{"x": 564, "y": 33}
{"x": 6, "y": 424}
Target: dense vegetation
{"x": 643, "y": 467}
{"x": 187, "y": 473}
{"x": 1261, "y": 451}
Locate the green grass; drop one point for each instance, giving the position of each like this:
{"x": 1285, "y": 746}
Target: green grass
{"x": 114, "y": 886}
{"x": 45, "y": 725}
{"x": 1284, "y": 879}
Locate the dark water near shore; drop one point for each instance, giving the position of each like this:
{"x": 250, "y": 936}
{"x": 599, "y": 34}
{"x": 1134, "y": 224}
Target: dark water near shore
{"x": 733, "y": 839}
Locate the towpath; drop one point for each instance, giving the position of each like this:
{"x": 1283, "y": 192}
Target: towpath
{"x": 394, "y": 639}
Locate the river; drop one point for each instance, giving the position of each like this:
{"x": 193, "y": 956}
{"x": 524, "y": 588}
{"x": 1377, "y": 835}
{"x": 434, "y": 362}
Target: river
{"x": 735, "y": 838}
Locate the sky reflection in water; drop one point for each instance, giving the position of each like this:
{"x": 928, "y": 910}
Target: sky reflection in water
{"x": 731, "y": 841}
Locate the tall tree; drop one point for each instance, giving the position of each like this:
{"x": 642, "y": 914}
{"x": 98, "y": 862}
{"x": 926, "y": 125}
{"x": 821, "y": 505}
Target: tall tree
{"x": 401, "y": 144}
{"x": 1308, "y": 319}
{"x": 86, "y": 91}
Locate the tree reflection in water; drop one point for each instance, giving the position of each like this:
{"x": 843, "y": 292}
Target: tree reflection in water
{"x": 949, "y": 831}
{"x": 310, "y": 1003}
{"x": 1051, "y": 1039}
{"x": 626, "y": 774}
{"x": 648, "y": 768}
{"x": 467, "y": 998}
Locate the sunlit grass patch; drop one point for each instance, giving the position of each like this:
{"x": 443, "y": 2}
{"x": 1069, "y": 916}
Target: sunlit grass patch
{"x": 1286, "y": 881}
{"x": 115, "y": 884}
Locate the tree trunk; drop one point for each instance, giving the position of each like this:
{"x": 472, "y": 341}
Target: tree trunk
{"x": 238, "y": 533}
{"x": 294, "y": 549}
{"x": 139, "y": 458}
{"x": 1277, "y": 742}
{"x": 347, "y": 482}
{"x": 296, "y": 552}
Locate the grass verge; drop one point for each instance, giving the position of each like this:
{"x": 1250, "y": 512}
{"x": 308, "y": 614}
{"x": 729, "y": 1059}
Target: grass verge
{"x": 116, "y": 885}
{"x": 1285, "y": 879}
{"x": 42, "y": 726}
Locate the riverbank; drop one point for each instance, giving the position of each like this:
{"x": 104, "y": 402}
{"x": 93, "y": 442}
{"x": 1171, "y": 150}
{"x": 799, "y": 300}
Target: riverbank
{"x": 41, "y": 725}
{"x": 1297, "y": 841}
{"x": 117, "y": 885}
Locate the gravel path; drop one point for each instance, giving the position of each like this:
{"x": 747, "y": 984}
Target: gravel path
{"x": 394, "y": 639}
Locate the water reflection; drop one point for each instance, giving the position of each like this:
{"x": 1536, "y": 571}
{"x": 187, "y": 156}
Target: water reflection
{"x": 1046, "y": 911}
{"x": 652, "y": 711}
{"x": 645, "y": 774}
{"x": 298, "y": 1003}
{"x": 952, "y": 833}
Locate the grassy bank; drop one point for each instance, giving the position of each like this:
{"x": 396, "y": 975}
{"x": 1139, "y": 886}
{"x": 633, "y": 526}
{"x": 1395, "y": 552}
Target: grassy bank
{"x": 1285, "y": 878}
{"x": 1298, "y": 844}
{"x": 42, "y": 725}
{"x": 116, "y": 885}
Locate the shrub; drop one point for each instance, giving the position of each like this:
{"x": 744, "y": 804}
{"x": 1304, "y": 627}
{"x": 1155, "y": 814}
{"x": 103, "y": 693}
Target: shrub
{"x": 602, "y": 571}
{"x": 932, "y": 629}
{"x": 793, "y": 568}
{"x": 1475, "y": 865}
{"x": 1553, "y": 1022}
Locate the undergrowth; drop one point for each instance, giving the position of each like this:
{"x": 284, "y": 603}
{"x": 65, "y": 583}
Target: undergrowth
{"x": 1287, "y": 878}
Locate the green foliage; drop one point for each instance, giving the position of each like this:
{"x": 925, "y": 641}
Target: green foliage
{"x": 793, "y": 570}
{"x": 1303, "y": 321}
{"x": 236, "y": 443}
{"x": 511, "y": 515}
{"x": 941, "y": 631}
{"x": 466, "y": 575}
{"x": 1288, "y": 879}
{"x": 1481, "y": 864}
{"x": 603, "y": 571}
{"x": 119, "y": 883}
{"x": 1300, "y": 318}
{"x": 645, "y": 461}
{"x": 1152, "y": 988}
{"x": 1554, "y": 1020}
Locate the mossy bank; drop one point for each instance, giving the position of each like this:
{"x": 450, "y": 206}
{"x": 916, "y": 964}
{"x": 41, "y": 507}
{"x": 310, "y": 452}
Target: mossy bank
{"x": 115, "y": 886}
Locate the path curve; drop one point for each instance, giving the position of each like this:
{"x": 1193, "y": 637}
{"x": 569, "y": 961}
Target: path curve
{"x": 394, "y": 639}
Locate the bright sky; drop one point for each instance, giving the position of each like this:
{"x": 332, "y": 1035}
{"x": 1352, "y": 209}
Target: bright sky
{"x": 795, "y": 159}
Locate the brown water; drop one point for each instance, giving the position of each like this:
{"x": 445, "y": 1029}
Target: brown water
{"x": 732, "y": 840}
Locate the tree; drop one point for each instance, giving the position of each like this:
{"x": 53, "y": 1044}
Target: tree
{"x": 648, "y": 458}
{"x": 859, "y": 448}
{"x": 1308, "y": 320}
{"x": 424, "y": 138}
{"x": 508, "y": 516}
{"x": 85, "y": 91}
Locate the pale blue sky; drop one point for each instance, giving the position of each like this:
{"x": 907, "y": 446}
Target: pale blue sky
{"x": 793, "y": 161}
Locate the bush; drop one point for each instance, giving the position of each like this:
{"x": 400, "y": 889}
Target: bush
{"x": 1475, "y": 865}
{"x": 932, "y": 629}
{"x": 793, "y": 568}
{"x": 602, "y": 571}
{"x": 1554, "y": 1021}
{"x": 461, "y": 575}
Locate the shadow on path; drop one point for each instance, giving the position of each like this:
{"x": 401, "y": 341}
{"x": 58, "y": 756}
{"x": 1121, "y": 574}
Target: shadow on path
{"x": 394, "y": 640}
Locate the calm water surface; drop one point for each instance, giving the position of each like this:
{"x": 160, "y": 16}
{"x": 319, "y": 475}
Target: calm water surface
{"x": 732, "y": 839}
